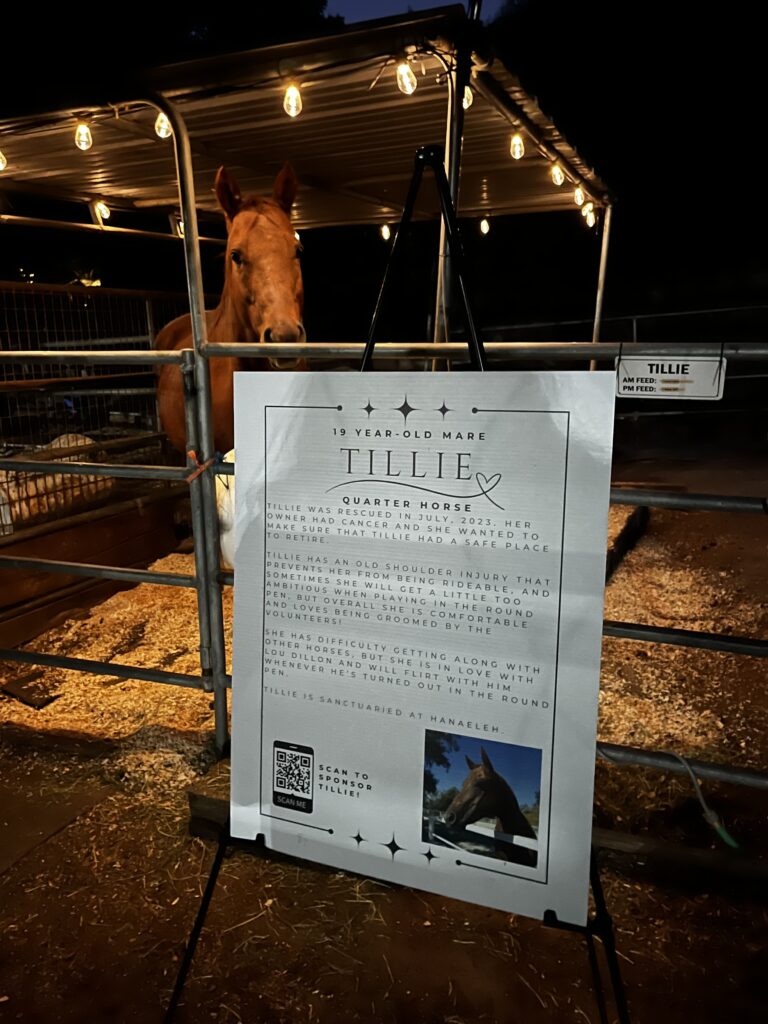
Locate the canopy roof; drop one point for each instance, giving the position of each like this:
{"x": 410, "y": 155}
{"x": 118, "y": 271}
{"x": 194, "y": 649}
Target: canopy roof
{"x": 352, "y": 146}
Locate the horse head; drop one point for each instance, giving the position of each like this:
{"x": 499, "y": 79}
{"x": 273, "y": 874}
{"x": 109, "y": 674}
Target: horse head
{"x": 482, "y": 793}
{"x": 263, "y": 286}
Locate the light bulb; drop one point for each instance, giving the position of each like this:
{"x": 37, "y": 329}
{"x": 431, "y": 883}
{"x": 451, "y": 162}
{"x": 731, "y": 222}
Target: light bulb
{"x": 3, "y": 161}
{"x": 485, "y": 226}
{"x": 468, "y": 98}
{"x": 103, "y": 210}
{"x": 591, "y": 219}
{"x": 517, "y": 146}
{"x": 83, "y": 137}
{"x": 163, "y": 128}
{"x": 385, "y": 232}
{"x": 406, "y": 80}
{"x": 557, "y": 174}
{"x": 292, "y": 104}
{"x": 297, "y": 236}
{"x": 587, "y": 209}
{"x": 578, "y": 195}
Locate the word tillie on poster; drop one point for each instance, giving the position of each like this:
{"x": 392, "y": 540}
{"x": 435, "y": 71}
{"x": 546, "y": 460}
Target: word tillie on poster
{"x": 420, "y": 564}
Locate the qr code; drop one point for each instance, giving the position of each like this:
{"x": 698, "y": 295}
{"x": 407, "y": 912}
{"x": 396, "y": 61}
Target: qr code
{"x": 293, "y": 771}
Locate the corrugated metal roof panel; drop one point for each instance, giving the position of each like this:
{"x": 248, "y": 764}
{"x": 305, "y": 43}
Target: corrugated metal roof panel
{"x": 352, "y": 146}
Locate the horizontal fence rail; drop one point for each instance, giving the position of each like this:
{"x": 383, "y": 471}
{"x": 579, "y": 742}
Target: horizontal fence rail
{"x": 116, "y": 469}
{"x": 686, "y": 638}
{"x": 43, "y": 355}
{"x": 689, "y": 502}
{"x": 494, "y": 349}
{"x": 663, "y": 761}
{"x": 102, "y": 572}
{"x": 103, "y": 668}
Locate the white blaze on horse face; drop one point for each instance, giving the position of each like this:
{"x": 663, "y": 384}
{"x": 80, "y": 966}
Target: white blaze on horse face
{"x": 264, "y": 272}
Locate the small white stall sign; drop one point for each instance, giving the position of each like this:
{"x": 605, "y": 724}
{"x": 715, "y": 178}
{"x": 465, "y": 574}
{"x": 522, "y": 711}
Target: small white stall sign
{"x": 700, "y": 377}
{"x": 419, "y": 567}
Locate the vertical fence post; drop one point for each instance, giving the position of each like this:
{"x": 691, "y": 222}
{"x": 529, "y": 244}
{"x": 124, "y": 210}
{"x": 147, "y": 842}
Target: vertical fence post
{"x": 206, "y": 451}
{"x": 198, "y": 523}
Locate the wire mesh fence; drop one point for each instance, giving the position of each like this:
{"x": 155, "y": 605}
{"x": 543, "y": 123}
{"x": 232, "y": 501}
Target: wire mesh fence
{"x": 73, "y": 412}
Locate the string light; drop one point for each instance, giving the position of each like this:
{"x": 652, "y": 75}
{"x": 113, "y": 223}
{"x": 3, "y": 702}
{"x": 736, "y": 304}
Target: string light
{"x": 468, "y": 98}
{"x": 578, "y": 195}
{"x": 297, "y": 236}
{"x": 517, "y": 147}
{"x": 588, "y": 213}
{"x": 385, "y": 232}
{"x": 83, "y": 137}
{"x": 3, "y": 161}
{"x": 163, "y": 128}
{"x": 485, "y": 226}
{"x": 102, "y": 210}
{"x": 292, "y": 104}
{"x": 406, "y": 80}
{"x": 557, "y": 174}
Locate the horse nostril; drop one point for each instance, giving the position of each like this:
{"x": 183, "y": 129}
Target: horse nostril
{"x": 284, "y": 333}
{"x": 449, "y": 817}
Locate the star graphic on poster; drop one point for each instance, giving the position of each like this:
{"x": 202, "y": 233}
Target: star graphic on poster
{"x": 405, "y": 409}
{"x": 358, "y": 838}
{"x": 443, "y": 409}
{"x": 369, "y": 408}
{"x": 430, "y": 856}
{"x": 393, "y": 846}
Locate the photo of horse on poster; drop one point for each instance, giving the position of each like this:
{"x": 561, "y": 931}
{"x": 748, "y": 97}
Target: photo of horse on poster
{"x": 482, "y": 797}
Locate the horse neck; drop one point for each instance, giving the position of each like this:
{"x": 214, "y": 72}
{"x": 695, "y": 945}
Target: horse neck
{"x": 510, "y": 819}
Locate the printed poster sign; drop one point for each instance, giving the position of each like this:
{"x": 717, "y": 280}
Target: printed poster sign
{"x": 697, "y": 377}
{"x": 419, "y": 567}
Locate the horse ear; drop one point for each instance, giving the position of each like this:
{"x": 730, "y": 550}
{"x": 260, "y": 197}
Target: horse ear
{"x": 285, "y": 188}
{"x": 471, "y": 763}
{"x": 227, "y": 192}
{"x": 486, "y": 760}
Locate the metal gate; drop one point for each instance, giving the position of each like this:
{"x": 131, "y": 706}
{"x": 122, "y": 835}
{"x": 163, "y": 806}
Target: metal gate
{"x": 208, "y": 578}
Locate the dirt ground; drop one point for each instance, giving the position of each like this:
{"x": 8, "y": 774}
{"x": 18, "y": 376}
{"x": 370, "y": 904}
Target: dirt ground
{"x": 100, "y": 881}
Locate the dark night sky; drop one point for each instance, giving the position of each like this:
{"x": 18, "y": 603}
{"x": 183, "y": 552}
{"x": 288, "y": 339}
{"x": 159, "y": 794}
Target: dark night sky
{"x": 665, "y": 100}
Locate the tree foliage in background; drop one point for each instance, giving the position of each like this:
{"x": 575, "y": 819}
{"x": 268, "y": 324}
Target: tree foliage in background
{"x": 437, "y": 746}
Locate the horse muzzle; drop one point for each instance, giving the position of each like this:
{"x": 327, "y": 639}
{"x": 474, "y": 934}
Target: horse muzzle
{"x": 284, "y": 334}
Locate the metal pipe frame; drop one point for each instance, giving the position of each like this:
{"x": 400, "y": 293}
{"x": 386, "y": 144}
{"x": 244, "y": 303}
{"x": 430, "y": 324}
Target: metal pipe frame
{"x": 689, "y": 502}
{"x": 202, "y": 377}
{"x": 686, "y": 638}
{"x": 604, "y": 242}
{"x": 111, "y": 229}
{"x": 198, "y": 519}
{"x": 100, "y": 572}
{"x": 102, "y": 668}
{"x": 130, "y": 355}
{"x": 95, "y": 469}
{"x": 543, "y": 351}
{"x": 663, "y": 761}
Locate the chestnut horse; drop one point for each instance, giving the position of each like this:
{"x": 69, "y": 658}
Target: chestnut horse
{"x": 262, "y": 302}
{"x": 485, "y": 794}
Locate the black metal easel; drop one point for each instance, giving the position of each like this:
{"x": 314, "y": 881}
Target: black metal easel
{"x": 430, "y": 156}
{"x": 599, "y": 924}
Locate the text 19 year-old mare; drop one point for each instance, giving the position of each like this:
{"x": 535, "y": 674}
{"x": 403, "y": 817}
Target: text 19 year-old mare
{"x": 262, "y": 302}
{"x": 485, "y": 794}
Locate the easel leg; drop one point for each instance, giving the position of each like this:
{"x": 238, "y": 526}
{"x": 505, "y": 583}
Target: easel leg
{"x": 197, "y": 928}
{"x": 597, "y": 980}
{"x": 602, "y": 925}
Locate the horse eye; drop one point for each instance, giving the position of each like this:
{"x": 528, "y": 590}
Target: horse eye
{"x": 237, "y": 257}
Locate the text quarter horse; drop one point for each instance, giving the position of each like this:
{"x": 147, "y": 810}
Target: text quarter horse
{"x": 485, "y": 794}
{"x": 262, "y": 302}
